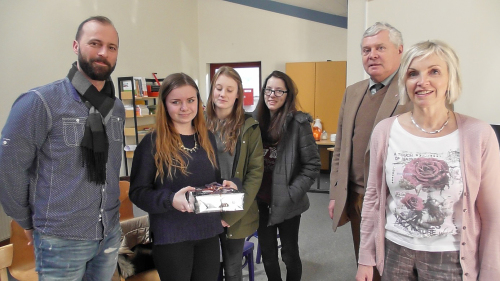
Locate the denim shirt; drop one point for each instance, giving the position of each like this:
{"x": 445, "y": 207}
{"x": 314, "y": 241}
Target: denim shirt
{"x": 43, "y": 184}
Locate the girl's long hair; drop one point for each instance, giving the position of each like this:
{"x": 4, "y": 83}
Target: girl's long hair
{"x": 231, "y": 128}
{"x": 273, "y": 127}
{"x": 168, "y": 154}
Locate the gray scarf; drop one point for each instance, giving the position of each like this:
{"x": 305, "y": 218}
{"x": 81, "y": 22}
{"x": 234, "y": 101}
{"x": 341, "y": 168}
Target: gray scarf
{"x": 94, "y": 145}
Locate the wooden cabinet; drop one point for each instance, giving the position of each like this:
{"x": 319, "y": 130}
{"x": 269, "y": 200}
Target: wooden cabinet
{"x": 138, "y": 121}
{"x": 321, "y": 87}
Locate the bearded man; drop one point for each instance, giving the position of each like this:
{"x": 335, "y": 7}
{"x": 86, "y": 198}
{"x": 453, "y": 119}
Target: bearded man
{"x": 60, "y": 159}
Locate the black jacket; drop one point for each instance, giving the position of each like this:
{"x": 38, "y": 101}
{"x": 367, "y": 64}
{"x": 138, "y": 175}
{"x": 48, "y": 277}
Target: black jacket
{"x": 295, "y": 170}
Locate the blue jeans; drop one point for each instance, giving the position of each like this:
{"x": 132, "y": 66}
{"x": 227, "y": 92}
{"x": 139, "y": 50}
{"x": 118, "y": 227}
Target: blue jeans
{"x": 289, "y": 237}
{"x": 60, "y": 259}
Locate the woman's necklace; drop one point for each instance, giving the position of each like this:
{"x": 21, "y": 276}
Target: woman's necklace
{"x": 432, "y": 132}
{"x": 191, "y": 150}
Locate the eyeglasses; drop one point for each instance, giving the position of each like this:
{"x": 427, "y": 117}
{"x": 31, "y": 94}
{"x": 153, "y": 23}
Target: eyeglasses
{"x": 277, "y": 93}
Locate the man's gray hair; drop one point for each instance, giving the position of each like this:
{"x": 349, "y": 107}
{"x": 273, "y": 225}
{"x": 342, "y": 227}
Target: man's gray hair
{"x": 394, "y": 34}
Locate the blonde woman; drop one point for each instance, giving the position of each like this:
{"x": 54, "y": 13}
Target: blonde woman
{"x": 430, "y": 210}
{"x": 239, "y": 148}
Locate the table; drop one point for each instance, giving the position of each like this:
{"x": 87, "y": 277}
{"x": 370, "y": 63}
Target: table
{"x": 325, "y": 143}
{"x": 328, "y": 145}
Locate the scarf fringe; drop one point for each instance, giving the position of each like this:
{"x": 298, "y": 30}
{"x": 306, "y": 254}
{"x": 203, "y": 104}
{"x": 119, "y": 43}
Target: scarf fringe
{"x": 95, "y": 164}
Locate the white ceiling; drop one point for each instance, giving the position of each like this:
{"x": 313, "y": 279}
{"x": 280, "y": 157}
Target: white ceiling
{"x": 336, "y": 7}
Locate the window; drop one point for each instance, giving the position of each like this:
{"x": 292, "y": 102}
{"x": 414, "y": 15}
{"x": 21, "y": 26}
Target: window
{"x": 250, "y": 73}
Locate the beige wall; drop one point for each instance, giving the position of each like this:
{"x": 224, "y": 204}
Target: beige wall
{"x": 162, "y": 36}
{"x": 155, "y": 36}
{"x": 470, "y": 27}
{"x": 231, "y": 32}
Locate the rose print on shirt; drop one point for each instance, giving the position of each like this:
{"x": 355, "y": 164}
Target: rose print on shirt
{"x": 413, "y": 202}
{"x": 423, "y": 209}
{"x": 427, "y": 173}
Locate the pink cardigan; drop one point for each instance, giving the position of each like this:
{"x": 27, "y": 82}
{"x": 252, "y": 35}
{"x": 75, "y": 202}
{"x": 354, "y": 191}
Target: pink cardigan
{"x": 480, "y": 164}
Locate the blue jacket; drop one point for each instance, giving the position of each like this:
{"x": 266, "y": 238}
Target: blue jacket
{"x": 42, "y": 181}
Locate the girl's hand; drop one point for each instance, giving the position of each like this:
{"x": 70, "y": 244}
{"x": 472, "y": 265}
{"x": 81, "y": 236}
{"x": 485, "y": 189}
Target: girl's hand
{"x": 224, "y": 223}
{"x": 229, "y": 184}
{"x": 180, "y": 203}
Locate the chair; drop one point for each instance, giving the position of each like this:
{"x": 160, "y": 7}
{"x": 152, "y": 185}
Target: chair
{"x": 259, "y": 253}
{"x": 126, "y": 206}
{"x": 248, "y": 256}
{"x": 6, "y": 253}
{"x": 23, "y": 259}
{"x": 135, "y": 262}
{"x": 131, "y": 236}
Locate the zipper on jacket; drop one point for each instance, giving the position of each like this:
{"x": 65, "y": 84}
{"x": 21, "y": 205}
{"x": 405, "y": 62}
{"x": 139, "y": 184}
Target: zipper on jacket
{"x": 238, "y": 146}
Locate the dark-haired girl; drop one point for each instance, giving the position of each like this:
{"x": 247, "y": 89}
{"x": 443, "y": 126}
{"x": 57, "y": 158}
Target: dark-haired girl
{"x": 291, "y": 165}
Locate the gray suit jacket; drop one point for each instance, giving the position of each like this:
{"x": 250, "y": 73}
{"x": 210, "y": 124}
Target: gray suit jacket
{"x": 341, "y": 160}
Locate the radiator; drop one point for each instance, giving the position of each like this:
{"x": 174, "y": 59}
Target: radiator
{"x": 4, "y": 225}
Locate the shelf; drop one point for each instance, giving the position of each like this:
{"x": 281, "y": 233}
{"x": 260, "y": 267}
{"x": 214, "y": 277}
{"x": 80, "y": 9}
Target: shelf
{"x": 128, "y": 96}
{"x": 136, "y": 126}
{"x": 130, "y": 132}
{"x": 141, "y": 130}
{"x": 130, "y": 114}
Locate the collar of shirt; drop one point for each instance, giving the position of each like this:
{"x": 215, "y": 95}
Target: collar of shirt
{"x": 386, "y": 82}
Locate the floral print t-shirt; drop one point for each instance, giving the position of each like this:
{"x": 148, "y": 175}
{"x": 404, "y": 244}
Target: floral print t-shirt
{"x": 425, "y": 184}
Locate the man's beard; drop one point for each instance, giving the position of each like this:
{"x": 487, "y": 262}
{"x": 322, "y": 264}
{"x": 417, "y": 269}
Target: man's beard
{"x": 98, "y": 73}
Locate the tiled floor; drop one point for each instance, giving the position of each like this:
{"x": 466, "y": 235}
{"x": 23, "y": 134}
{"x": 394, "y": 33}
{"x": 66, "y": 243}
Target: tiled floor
{"x": 326, "y": 256}
{"x": 324, "y": 184}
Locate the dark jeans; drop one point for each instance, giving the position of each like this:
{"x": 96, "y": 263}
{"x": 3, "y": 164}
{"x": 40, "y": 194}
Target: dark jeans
{"x": 190, "y": 260}
{"x": 289, "y": 237}
{"x": 232, "y": 254}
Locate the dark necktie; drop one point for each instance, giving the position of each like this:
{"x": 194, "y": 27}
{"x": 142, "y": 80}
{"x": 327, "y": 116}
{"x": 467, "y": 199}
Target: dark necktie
{"x": 375, "y": 88}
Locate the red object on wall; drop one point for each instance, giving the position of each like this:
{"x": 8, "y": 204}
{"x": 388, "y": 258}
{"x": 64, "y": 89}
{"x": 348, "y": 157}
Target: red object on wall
{"x": 248, "y": 96}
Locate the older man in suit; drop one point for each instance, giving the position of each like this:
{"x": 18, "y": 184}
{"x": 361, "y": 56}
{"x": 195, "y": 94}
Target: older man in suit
{"x": 365, "y": 103}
